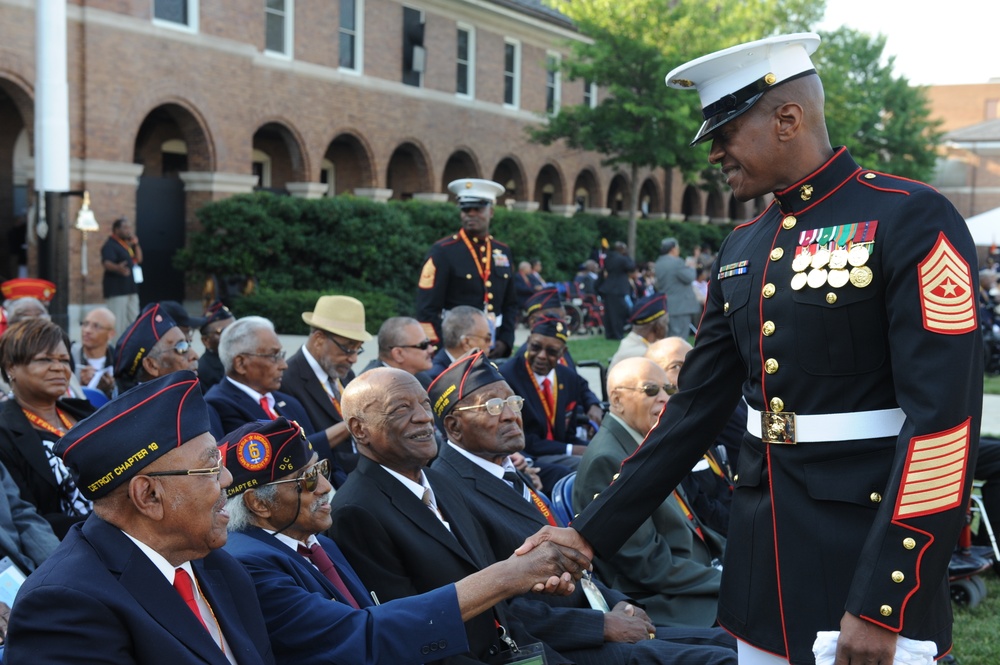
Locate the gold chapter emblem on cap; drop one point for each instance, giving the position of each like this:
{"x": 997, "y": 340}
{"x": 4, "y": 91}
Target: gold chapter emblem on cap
{"x": 684, "y": 83}
{"x": 770, "y": 78}
{"x": 806, "y": 192}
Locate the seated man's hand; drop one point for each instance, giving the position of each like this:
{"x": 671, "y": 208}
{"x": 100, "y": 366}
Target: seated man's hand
{"x": 499, "y": 350}
{"x": 627, "y": 623}
{"x": 595, "y": 413}
{"x": 548, "y": 568}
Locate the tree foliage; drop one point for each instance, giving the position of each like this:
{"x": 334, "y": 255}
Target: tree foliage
{"x": 883, "y": 121}
{"x": 631, "y": 46}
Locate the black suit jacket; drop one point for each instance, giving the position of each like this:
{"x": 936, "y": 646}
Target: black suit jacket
{"x": 236, "y": 408}
{"x": 99, "y": 599}
{"x": 617, "y": 266}
{"x": 399, "y": 548}
{"x": 22, "y": 452}
{"x": 300, "y": 381}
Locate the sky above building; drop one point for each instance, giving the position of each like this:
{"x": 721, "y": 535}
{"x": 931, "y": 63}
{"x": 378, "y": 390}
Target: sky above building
{"x": 934, "y": 43}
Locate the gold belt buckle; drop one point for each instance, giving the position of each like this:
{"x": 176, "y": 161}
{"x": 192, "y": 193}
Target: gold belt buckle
{"x": 777, "y": 427}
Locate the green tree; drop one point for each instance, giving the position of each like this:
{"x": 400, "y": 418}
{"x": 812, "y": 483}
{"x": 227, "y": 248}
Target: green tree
{"x": 883, "y": 120}
{"x": 631, "y": 46}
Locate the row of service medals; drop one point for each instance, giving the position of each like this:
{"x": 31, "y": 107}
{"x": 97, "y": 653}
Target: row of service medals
{"x": 822, "y": 259}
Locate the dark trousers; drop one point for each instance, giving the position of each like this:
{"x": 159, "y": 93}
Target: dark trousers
{"x": 615, "y": 314}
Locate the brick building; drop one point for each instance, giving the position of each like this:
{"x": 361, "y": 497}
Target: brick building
{"x": 175, "y": 103}
{"x": 968, "y": 172}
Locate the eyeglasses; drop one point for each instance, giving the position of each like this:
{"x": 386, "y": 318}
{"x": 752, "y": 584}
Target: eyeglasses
{"x": 182, "y": 347}
{"x": 551, "y": 351}
{"x": 309, "y": 481}
{"x": 494, "y": 406}
{"x": 653, "y": 389}
{"x": 275, "y": 357}
{"x": 348, "y": 351}
{"x": 423, "y": 346}
{"x": 52, "y": 360}
{"x": 213, "y": 471}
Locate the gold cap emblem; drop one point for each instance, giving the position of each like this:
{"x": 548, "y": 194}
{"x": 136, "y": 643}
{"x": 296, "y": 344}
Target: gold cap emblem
{"x": 806, "y": 192}
{"x": 770, "y": 78}
{"x": 684, "y": 83}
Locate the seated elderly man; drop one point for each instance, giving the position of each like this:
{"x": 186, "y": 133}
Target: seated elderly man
{"x": 649, "y": 321}
{"x": 315, "y": 606}
{"x": 403, "y": 527}
{"x": 255, "y": 363}
{"x": 552, "y": 395}
{"x": 93, "y": 355}
{"x": 210, "y": 369}
{"x": 463, "y": 329}
{"x": 403, "y": 344}
{"x": 318, "y": 372}
{"x": 671, "y": 564}
{"x": 153, "y": 346}
{"x": 480, "y": 414}
{"x": 142, "y": 580}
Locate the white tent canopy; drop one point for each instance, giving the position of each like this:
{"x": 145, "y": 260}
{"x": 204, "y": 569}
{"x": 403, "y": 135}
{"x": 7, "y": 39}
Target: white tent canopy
{"x": 985, "y": 228}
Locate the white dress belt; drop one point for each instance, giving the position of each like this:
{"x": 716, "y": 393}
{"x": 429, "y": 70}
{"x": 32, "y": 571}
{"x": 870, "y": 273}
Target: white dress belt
{"x": 837, "y": 426}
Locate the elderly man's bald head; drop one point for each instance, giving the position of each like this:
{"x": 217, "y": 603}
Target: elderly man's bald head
{"x": 630, "y": 383}
{"x": 389, "y": 415}
{"x": 669, "y": 354}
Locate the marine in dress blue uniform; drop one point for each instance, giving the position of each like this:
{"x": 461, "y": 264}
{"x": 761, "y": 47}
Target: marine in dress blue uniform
{"x": 845, "y": 316}
{"x": 471, "y": 268}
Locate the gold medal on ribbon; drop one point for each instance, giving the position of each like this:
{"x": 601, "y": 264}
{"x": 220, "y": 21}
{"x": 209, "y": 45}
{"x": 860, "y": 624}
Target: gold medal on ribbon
{"x": 817, "y": 278}
{"x": 861, "y": 276}
{"x": 838, "y": 278}
{"x": 838, "y": 259}
{"x": 858, "y": 256}
{"x": 799, "y": 280}
{"x": 820, "y": 258}
{"x": 801, "y": 262}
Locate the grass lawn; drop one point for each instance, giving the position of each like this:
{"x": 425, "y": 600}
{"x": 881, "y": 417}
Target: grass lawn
{"x": 991, "y": 385}
{"x": 596, "y": 347}
{"x": 976, "y": 638}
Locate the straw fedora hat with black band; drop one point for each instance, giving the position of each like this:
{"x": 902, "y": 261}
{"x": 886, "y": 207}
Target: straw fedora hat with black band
{"x": 340, "y": 315}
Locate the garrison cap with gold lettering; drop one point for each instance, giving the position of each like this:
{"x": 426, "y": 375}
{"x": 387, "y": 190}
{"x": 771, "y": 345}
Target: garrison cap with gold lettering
{"x": 139, "y": 338}
{"x": 136, "y": 428}
{"x": 263, "y": 451}
{"x": 734, "y": 79}
{"x": 648, "y": 309}
{"x": 475, "y": 192}
{"x": 544, "y": 299}
{"x": 550, "y": 326}
{"x": 465, "y": 376}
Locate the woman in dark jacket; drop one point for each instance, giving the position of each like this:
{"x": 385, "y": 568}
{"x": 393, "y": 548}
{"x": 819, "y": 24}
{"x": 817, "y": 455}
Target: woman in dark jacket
{"x": 35, "y": 361}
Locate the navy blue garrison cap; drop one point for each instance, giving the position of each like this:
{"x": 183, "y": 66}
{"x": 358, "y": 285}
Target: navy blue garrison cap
{"x": 263, "y": 451}
{"x": 649, "y": 309}
{"x": 139, "y": 339}
{"x": 133, "y": 430}
{"x": 465, "y": 376}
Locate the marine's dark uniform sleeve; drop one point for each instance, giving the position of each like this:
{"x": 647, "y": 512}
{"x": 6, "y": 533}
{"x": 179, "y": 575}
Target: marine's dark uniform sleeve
{"x": 432, "y": 290}
{"x": 936, "y": 354}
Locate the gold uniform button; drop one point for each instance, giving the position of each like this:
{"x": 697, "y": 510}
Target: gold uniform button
{"x": 909, "y": 543}
{"x": 777, "y": 253}
{"x": 831, "y": 297}
{"x": 875, "y": 497}
{"x": 725, "y": 308}
{"x": 768, "y": 328}
{"x": 736, "y": 478}
{"x": 869, "y": 176}
{"x": 770, "y": 78}
{"x": 489, "y": 307}
{"x": 777, "y": 404}
{"x": 768, "y": 290}
{"x": 488, "y": 284}
{"x": 490, "y": 296}
{"x": 467, "y": 276}
{"x": 788, "y": 222}
{"x": 770, "y": 365}
{"x": 885, "y": 611}
{"x": 615, "y": 477}
{"x": 897, "y": 576}
{"x": 597, "y": 495}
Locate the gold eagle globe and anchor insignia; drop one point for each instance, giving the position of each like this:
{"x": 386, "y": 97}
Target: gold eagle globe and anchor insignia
{"x": 806, "y": 192}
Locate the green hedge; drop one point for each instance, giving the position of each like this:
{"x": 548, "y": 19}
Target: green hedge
{"x": 299, "y": 249}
